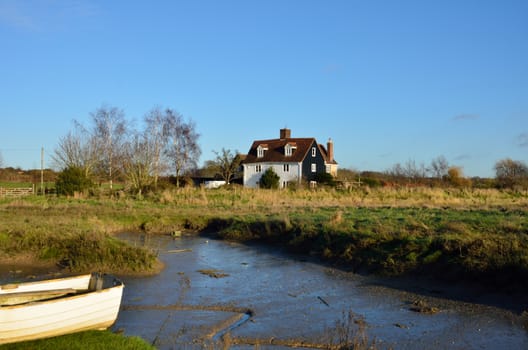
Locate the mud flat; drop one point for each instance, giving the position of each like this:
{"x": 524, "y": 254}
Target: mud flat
{"x": 23, "y": 267}
{"x": 258, "y": 295}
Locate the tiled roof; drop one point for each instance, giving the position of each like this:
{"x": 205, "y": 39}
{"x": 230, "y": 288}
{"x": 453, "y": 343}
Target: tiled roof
{"x": 324, "y": 152}
{"x": 276, "y": 153}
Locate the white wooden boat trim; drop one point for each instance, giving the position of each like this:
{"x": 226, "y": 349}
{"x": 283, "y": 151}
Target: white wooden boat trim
{"x": 76, "y": 282}
{"x": 27, "y": 297}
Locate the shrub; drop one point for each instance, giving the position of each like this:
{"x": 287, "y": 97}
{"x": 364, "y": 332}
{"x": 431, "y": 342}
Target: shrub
{"x": 269, "y": 179}
{"x": 72, "y": 179}
{"x": 325, "y": 178}
{"x": 371, "y": 182}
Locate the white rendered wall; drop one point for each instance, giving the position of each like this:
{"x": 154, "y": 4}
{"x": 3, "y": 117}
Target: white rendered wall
{"x": 252, "y": 177}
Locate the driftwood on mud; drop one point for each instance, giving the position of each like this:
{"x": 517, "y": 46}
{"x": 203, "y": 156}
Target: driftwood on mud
{"x": 323, "y": 301}
{"x": 179, "y": 250}
{"x": 213, "y": 273}
{"x": 422, "y": 307}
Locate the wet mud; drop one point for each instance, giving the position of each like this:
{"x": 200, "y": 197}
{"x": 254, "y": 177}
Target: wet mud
{"x": 25, "y": 268}
{"x": 258, "y": 297}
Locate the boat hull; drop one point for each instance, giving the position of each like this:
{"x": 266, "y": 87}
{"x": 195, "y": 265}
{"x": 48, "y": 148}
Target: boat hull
{"x": 90, "y": 309}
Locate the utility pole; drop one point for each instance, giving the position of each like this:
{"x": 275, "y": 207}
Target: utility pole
{"x": 42, "y": 170}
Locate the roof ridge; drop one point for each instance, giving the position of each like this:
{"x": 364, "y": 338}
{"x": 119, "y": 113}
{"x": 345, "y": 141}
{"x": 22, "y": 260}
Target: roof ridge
{"x": 289, "y": 138}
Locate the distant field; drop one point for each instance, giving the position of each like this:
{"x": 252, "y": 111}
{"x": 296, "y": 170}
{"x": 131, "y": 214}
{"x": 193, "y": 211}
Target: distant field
{"x": 16, "y": 184}
{"x": 26, "y": 184}
{"x": 51, "y": 185}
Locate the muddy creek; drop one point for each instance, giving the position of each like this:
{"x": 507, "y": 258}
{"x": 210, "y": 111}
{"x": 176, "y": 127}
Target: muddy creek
{"x": 258, "y": 295}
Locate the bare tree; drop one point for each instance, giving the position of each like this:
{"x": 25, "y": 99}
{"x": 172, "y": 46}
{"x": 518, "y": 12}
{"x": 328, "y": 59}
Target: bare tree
{"x": 138, "y": 162}
{"x": 77, "y": 149}
{"x": 409, "y": 171}
{"x": 156, "y": 138}
{"x": 109, "y": 130}
{"x": 228, "y": 164}
{"x": 439, "y": 167}
{"x": 415, "y": 172}
{"x": 104, "y": 148}
{"x": 511, "y": 173}
{"x": 182, "y": 148}
{"x": 397, "y": 172}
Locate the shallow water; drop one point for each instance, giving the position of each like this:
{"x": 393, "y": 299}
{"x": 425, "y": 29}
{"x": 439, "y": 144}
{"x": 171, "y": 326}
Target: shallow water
{"x": 280, "y": 300}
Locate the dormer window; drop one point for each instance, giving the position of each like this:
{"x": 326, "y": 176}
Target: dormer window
{"x": 289, "y": 148}
{"x": 261, "y": 150}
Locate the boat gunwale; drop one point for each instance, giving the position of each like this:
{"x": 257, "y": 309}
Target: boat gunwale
{"x": 83, "y": 293}
{"x": 11, "y": 287}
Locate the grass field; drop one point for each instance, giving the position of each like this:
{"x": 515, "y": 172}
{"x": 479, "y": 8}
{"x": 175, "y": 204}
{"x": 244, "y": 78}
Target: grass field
{"x": 454, "y": 234}
{"x": 461, "y": 234}
{"x": 7, "y": 184}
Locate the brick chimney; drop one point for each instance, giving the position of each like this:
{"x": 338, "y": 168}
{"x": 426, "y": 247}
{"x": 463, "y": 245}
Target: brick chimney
{"x": 285, "y": 133}
{"x": 330, "y": 150}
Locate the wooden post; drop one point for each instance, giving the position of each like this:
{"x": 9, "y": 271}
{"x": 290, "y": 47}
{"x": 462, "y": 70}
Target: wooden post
{"x": 42, "y": 171}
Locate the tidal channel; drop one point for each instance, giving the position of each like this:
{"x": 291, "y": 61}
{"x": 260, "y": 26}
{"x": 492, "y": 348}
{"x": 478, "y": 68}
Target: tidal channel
{"x": 214, "y": 291}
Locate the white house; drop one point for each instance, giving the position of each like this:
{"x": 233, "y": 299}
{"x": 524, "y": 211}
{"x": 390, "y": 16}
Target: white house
{"x": 293, "y": 159}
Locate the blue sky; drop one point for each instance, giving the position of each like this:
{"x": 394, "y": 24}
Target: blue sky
{"x": 388, "y": 81}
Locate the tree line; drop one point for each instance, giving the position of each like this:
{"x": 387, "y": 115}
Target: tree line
{"x": 109, "y": 148}
{"x": 509, "y": 174}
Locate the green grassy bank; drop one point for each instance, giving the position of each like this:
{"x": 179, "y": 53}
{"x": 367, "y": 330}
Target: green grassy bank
{"x": 487, "y": 246}
{"x": 91, "y": 340}
{"x": 76, "y": 235}
{"x": 454, "y": 234}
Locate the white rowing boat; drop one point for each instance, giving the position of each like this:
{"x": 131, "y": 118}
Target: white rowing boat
{"x": 49, "y": 308}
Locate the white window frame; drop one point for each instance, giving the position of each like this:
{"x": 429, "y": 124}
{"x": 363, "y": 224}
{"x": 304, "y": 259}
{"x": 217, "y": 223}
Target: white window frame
{"x": 261, "y": 150}
{"x": 313, "y": 152}
{"x": 288, "y": 150}
{"x": 258, "y": 168}
{"x": 314, "y": 167}
{"x": 286, "y": 168}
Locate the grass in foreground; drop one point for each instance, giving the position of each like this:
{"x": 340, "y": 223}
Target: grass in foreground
{"x": 90, "y": 340}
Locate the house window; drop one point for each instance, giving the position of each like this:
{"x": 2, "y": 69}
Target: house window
{"x": 286, "y": 168}
{"x": 314, "y": 167}
{"x": 289, "y": 148}
{"x": 258, "y": 168}
{"x": 261, "y": 149}
{"x": 313, "y": 151}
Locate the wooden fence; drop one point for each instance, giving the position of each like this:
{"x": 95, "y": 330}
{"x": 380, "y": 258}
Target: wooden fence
{"x": 16, "y": 192}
